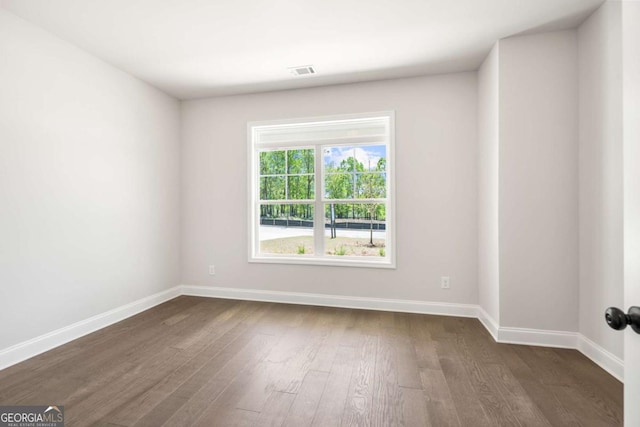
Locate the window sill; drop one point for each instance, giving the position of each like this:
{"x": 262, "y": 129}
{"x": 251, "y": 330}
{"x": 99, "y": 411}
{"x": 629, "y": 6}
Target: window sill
{"x": 342, "y": 262}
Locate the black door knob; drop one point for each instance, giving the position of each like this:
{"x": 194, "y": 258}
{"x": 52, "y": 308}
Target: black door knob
{"x": 617, "y": 320}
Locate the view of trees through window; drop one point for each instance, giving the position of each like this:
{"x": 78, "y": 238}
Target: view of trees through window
{"x": 354, "y": 196}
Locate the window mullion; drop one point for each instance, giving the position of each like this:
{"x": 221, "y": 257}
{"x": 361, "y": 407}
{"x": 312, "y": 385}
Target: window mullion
{"x": 318, "y": 228}
{"x": 286, "y": 174}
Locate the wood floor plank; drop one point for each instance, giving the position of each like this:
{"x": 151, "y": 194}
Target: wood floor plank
{"x": 387, "y": 397}
{"x": 233, "y": 340}
{"x": 586, "y": 372}
{"x": 213, "y": 325}
{"x": 424, "y": 346}
{"x": 502, "y": 384}
{"x": 407, "y": 362}
{"x": 542, "y": 395}
{"x": 351, "y": 335}
{"x": 502, "y": 381}
{"x": 296, "y": 354}
{"x": 97, "y": 406}
{"x": 334, "y": 396}
{"x": 159, "y": 414}
{"x": 359, "y": 405}
{"x": 229, "y": 417}
{"x": 284, "y": 367}
{"x": 593, "y": 406}
{"x": 413, "y": 408}
{"x": 368, "y": 322}
{"x": 152, "y": 362}
{"x": 185, "y": 384}
{"x": 494, "y": 405}
{"x": 600, "y": 389}
{"x": 465, "y": 397}
{"x": 440, "y": 407}
{"x": 516, "y": 398}
{"x": 275, "y": 410}
{"x": 204, "y": 361}
{"x": 211, "y": 392}
{"x": 331, "y": 328}
{"x": 305, "y": 405}
{"x": 258, "y": 385}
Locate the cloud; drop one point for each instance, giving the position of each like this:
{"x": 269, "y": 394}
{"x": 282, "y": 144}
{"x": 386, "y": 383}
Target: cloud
{"x": 367, "y": 155}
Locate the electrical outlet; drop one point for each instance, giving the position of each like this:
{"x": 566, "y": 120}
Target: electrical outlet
{"x": 212, "y": 270}
{"x": 445, "y": 282}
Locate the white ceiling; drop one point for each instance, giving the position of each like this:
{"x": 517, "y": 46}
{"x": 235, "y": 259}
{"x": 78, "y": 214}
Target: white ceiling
{"x": 199, "y": 48}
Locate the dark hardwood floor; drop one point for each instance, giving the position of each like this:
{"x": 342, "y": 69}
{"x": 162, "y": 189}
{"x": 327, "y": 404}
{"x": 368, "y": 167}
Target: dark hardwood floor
{"x": 210, "y": 362}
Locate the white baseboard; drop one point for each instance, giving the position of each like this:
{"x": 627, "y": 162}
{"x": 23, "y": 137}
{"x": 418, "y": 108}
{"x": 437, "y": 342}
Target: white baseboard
{"x": 526, "y": 336}
{"x": 545, "y": 338}
{"x": 605, "y": 359}
{"x": 27, "y": 349}
{"x": 365, "y": 303}
{"x": 489, "y": 323}
{"x": 539, "y": 337}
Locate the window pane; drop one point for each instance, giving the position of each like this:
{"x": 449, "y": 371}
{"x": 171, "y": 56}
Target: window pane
{"x": 371, "y": 185}
{"x": 272, "y": 162}
{"x": 365, "y": 163}
{"x": 301, "y": 187}
{"x": 272, "y": 188}
{"x": 355, "y": 229}
{"x": 359, "y": 158}
{"x": 286, "y": 229}
{"x": 338, "y": 186}
{"x": 300, "y": 161}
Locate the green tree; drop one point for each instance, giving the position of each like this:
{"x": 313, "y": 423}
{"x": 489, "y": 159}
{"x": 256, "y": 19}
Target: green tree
{"x": 272, "y": 181}
{"x": 351, "y": 180}
{"x": 286, "y": 175}
{"x": 373, "y": 187}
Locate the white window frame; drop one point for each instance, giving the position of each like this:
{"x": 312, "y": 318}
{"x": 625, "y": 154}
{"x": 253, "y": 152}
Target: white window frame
{"x": 253, "y": 185}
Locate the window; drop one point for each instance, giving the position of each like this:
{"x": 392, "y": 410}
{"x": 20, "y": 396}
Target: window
{"x": 321, "y": 191}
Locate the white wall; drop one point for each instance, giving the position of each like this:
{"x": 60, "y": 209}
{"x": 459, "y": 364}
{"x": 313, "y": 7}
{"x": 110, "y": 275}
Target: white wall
{"x": 601, "y": 232}
{"x": 89, "y": 185}
{"x": 488, "y": 174}
{"x": 436, "y": 182}
{"x": 538, "y": 181}
{"x": 631, "y": 148}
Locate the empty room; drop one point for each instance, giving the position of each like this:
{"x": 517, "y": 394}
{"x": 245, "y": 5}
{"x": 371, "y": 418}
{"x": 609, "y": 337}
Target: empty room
{"x": 319, "y": 213}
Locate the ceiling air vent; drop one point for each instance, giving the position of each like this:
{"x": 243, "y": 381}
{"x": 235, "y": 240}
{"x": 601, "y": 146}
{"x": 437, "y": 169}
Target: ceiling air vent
{"x": 305, "y": 70}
